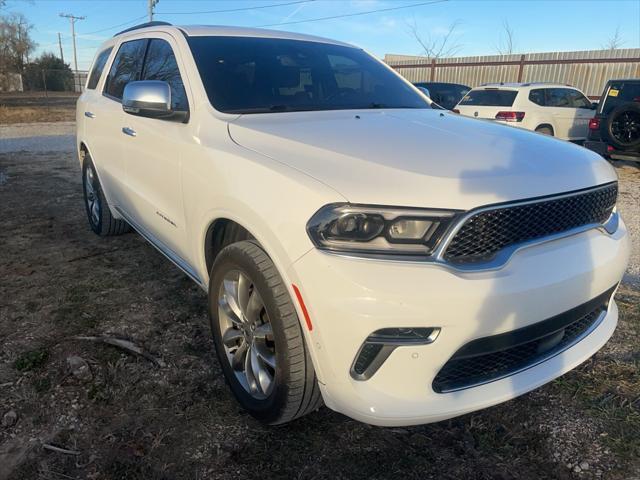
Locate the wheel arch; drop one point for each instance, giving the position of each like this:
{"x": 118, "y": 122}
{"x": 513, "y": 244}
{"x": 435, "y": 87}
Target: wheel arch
{"x": 546, "y": 125}
{"x": 221, "y": 232}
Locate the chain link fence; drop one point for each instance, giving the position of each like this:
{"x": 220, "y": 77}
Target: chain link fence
{"x": 37, "y": 79}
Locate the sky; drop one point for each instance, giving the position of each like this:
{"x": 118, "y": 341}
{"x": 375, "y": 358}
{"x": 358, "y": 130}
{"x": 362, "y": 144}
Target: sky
{"x": 538, "y": 26}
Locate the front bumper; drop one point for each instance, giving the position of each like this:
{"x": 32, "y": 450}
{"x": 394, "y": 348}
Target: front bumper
{"x": 349, "y": 298}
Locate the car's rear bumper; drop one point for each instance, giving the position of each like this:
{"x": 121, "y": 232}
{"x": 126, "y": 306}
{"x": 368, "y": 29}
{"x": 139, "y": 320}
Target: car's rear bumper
{"x": 348, "y": 298}
{"x": 606, "y": 150}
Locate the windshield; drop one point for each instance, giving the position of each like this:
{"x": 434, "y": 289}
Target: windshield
{"x": 260, "y": 75}
{"x": 490, "y": 97}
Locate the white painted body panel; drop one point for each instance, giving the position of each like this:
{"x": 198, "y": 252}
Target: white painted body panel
{"x": 272, "y": 172}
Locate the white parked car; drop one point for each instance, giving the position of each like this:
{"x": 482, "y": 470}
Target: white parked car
{"x": 558, "y": 110}
{"x": 399, "y": 263}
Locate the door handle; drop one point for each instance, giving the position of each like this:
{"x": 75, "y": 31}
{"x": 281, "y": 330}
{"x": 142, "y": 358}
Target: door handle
{"x": 89, "y": 115}
{"x": 129, "y": 131}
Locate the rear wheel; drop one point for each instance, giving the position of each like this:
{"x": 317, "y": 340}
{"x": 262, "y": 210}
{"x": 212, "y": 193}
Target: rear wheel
{"x": 258, "y": 338}
{"x": 99, "y": 214}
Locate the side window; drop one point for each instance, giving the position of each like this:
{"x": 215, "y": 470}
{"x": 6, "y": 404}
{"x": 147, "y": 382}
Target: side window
{"x": 557, "y": 97}
{"x": 160, "y": 64}
{"x": 126, "y": 67}
{"x": 98, "y": 67}
{"x": 537, "y": 96}
{"x": 578, "y": 100}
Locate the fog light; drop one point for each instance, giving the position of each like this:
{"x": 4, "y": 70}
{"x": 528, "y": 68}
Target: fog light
{"x": 378, "y": 346}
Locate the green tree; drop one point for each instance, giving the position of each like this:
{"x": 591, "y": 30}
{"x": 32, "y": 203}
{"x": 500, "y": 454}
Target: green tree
{"x": 50, "y": 72}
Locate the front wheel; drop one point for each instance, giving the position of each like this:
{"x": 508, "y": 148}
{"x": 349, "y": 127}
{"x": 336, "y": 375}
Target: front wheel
{"x": 258, "y": 338}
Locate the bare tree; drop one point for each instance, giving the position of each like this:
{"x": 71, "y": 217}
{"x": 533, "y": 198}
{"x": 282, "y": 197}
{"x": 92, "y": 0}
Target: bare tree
{"x": 436, "y": 46}
{"x": 15, "y": 42}
{"x": 615, "y": 41}
{"x": 507, "y": 43}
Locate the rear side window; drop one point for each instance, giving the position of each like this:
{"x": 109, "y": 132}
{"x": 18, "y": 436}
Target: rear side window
{"x": 537, "y": 96}
{"x": 160, "y": 64}
{"x": 618, "y": 93}
{"x": 126, "y": 67}
{"x": 98, "y": 67}
{"x": 489, "y": 98}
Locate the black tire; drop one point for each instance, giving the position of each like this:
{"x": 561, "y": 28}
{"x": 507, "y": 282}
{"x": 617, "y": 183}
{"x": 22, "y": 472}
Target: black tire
{"x": 103, "y": 222}
{"x": 295, "y": 391}
{"x": 626, "y": 136}
{"x": 545, "y": 131}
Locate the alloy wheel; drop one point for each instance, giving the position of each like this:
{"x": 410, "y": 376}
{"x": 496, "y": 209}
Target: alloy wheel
{"x": 626, "y": 127}
{"x": 246, "y": 334}
{"x": 91, "y": 196}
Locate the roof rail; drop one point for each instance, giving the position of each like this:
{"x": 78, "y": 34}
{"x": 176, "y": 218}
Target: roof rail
{"x": 142, "y": 25}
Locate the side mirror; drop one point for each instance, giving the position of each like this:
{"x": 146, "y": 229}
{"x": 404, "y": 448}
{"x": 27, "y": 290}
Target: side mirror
{"x": 151, "y": 99}
{"x": 425, "y": 91}
{"x": 594, "y": 105}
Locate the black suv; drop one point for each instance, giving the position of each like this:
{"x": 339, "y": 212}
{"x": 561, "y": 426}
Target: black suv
{"x": 614, "y": 132}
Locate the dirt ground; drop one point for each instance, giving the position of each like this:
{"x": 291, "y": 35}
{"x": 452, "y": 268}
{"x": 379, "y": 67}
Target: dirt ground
{"x": 117, "y": 415}
{"x": 23, "y": 107}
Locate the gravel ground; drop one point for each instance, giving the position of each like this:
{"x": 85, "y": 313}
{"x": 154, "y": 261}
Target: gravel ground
{"x": 117, "y": 415}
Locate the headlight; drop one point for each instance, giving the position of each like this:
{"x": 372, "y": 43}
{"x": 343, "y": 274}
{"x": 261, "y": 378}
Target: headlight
{"x": 378, "y": 230}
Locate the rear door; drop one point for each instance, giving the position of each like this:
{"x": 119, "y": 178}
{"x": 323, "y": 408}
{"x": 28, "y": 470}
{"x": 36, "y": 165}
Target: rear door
{"x": 487, "y": 102}
{"x": 97, "y": 130}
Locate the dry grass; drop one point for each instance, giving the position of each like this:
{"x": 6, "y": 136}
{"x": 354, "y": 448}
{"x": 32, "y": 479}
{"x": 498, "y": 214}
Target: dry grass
{"x": 29, "y": 107}
{"x": 134, "y": 420}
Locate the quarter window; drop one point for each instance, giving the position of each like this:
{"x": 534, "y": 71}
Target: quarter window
{"x": 160, "y": 64}
{"x": 98, "y": 67}
{"x": 126, "y": 67}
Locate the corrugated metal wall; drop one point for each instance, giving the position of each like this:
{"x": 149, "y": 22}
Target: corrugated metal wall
{"x": 588, "y": 76}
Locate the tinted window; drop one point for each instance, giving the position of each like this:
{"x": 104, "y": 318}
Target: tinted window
{"x": 445, "y": 94}
{"x": 256, "y": 75}
{"x": 98, "y": 67}
{"x": 126, "y": 67}
{"x": 578, "y": 100}
{"x": 557, "y": 97}
{"x": 537, "y": 96}
{"x": 160, "y": 64}
{"x": 491, "y": 97}
{"x": 619, "y": 93}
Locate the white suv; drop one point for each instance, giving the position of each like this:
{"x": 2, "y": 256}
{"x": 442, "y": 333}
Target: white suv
{"x": 399, "y": 263}
{"x": 553, "y": 109}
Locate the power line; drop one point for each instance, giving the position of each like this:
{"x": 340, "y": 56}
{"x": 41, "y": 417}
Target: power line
{"x": 114, "y": 26}
{"x": 237, "y": 9}
{"x": 352, "y": 14}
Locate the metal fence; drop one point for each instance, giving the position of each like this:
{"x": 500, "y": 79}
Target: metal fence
{"x": 588, "y": 70}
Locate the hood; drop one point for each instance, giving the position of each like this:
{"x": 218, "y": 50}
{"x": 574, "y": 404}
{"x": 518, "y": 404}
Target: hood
{"x": 420, "y": 158}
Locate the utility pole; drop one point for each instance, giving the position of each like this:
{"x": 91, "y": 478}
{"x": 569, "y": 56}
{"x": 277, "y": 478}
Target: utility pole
{"x": 72, "y": 19}
{"x": 151, "y": 6}
{"x": 60, "y": 45}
